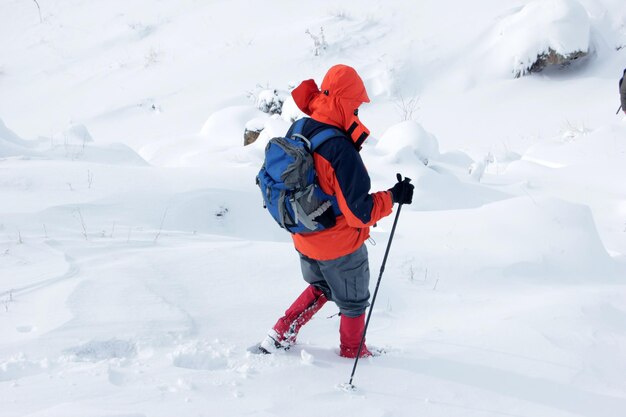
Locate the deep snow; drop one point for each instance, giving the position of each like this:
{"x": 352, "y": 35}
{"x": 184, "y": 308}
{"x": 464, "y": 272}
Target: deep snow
{"x": 137, "y": 263}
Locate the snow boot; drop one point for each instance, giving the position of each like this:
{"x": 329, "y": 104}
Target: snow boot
{"x": 350, "y": 333}
{"x": 283, "y": 334}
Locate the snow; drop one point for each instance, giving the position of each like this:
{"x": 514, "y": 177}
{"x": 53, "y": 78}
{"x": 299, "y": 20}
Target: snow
{"x": 77, "y": 133}
{"x": 409, "y": 140}
{"x": 137, "y": 263}
{"x": 10, "y": 143}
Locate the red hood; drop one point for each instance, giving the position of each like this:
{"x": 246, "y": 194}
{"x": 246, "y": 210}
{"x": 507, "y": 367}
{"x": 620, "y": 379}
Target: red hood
{"x": 342, "y": 93}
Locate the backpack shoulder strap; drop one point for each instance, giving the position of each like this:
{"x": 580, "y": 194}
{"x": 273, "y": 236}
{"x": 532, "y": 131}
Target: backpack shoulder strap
{"x": 298, "y": 127}
{"x": 323, "y": 136}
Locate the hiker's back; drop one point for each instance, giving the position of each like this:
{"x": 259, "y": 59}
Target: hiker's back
{"x": 289, "y": 183}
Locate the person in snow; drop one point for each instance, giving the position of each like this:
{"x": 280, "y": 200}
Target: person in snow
{"x": 334, "y": 261}
{"x": 622, "y": 92}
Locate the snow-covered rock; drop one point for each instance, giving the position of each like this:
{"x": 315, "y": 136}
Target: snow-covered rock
{"x": 273, "y": 127}
{"x": 543, "y": 32}
{"x": 252, "y": 130}
{"x": 224, "y": 127}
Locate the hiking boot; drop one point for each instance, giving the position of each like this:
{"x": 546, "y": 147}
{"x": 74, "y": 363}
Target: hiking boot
{"x": 272, "y": 343}
{"x": 297, "y": 315}
{"x": 345, "y": 352}
{"x": 350, "y": 333}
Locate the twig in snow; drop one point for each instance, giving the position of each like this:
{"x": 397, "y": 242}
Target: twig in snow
{"x": 527, "y": 193}
{"x": 406, "y": 107}
{"x": 82, "y": 223}
{"x": 160, "y": 226}
{"x": 8, "y": 301}
{"x": 319, "y": 42}
{"x": 39, "y": 9}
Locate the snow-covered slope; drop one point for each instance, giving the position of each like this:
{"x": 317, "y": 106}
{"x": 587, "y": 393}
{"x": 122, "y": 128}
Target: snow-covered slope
{"x": 137, "y": 264}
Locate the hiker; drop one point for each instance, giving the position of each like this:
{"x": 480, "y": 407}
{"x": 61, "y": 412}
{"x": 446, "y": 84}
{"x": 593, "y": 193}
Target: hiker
{"x": 622, "y": 92}
{"x": 334, "y": 261}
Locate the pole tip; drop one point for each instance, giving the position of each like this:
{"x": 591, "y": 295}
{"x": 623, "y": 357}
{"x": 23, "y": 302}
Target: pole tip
{"x": 347, "y": 387}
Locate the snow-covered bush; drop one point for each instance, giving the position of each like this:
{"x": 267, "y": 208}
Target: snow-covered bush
{"x": 269, "y": 101}
{"x": 319, "y": 41}
{"x": 543, "y": 33}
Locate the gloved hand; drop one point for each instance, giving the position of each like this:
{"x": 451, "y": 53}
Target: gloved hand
{"x": 402, "y": 192}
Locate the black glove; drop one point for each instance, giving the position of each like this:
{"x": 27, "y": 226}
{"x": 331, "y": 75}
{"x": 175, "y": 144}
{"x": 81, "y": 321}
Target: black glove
{"x": 402, "y": 192}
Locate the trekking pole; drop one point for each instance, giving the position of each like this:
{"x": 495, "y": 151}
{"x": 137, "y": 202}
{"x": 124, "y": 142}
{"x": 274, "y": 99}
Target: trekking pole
{"x": 380, "y": 276}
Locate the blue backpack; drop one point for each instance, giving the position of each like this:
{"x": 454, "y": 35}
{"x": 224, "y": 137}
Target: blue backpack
{"x": 289, "y": 185}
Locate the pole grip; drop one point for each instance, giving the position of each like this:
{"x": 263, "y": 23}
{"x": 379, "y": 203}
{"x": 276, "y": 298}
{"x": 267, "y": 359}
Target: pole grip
{"x": 399, "y": 178}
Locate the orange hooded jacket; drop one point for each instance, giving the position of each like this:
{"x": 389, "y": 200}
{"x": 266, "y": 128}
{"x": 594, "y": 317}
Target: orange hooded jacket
{"x": 339, "y": 166}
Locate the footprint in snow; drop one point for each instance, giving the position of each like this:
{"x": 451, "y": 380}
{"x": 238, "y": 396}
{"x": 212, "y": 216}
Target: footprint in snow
{"x": 19, "y": 367}
{"x": 25, "y": 329}
{"x": 201, "y": 356}
{"x": 100, "y": 350}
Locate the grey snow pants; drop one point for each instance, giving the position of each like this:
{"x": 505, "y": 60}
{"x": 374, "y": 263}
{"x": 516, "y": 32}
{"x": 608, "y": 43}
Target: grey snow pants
{"x": 344, "y": 280}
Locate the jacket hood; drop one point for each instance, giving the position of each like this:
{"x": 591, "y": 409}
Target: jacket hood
{"x": 343, "y": 81}
{"x": 342, "y": 93}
